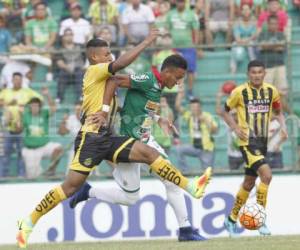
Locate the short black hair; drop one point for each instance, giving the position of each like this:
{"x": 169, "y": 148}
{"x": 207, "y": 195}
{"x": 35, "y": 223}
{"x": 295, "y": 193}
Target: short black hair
{"x": 96, "y": 42}
{"x": 176, "y": 61}
{"x": 35, "y": 100}
{"x": 195, "y": 100}
{"x": 38, "y": 4}
{"x": 17, "y": 74}
{"x": 255, "y": 63}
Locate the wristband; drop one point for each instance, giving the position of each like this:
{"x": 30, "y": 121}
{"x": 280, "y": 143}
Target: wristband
{"x": 156, "y": 118}
{"x": 105, "y": 108}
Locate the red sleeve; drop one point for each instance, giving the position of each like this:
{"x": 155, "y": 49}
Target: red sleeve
{"x": 262, "y": 18}
{"x": 276, "y": 105}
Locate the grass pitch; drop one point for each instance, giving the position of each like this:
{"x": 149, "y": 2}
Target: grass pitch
{"x": 243, "y": 243}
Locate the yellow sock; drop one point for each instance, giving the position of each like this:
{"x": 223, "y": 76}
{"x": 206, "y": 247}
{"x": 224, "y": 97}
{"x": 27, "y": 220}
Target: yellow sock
{"x": 261, "y": 194}
{"x": 51, "y": 200}
{"x": 167, "y": 171}
{"x": 240, "y": 200}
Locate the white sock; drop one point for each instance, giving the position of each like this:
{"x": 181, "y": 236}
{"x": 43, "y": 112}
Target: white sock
{"x": 176, "y": 199}
{"x": 114, "y": 195}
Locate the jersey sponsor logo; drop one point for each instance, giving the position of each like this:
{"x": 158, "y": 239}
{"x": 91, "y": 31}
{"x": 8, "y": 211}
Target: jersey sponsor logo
{"x": 152, "y": 106}
{"x": 140, "y": 78}
{"x": 252, "y": 109}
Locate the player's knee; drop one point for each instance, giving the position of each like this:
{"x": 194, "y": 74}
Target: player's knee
{"x": 266, "y": 178}
{"x": 149, "y": 154}
{"x": 132, "y": 198}
{"x": 248, "y": 185}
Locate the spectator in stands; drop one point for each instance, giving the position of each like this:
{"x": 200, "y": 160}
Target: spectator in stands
{"x": 201, "y": 127}
{"x": 12, "y": 12}
{"x": 200, "y": 12}
{"x": 161, "y": 19}
{"x": 104, "y": 33}
{"x": 70, "y": 62}
{"x": 235, "y": 158}
{"x": 71, "y": 125}
{"x": 41, "y": 31}
{"x": 104, "y": 12}
{"x": 13, "y": 101}
{"x": 296, "y": 3}
{"x": 219, "y": 17}
{"x": 255, "y": 5}
{"x": 15, "y": 66}
{"x": 273, "y": 9}
{"x": 244, "y": 33}
{"x": 272, "y": 54}
{"x": 164, "y": 140}
{"x": 81, "y": 28}
{"x": 5, "y": 36}
{"x": 183, "y": 25}
{"x": 137, "y": 20}
{"x": 66, "y": 13}
{"x": 29, "y": 12}
{"x": 37, "y": 144}
{"x": 2, "y": 166}
{"x": 275, "y": 140}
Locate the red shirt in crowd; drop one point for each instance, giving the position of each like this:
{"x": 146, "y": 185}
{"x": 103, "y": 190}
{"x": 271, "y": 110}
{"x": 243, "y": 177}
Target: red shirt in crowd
{"x": 282, "y": 19}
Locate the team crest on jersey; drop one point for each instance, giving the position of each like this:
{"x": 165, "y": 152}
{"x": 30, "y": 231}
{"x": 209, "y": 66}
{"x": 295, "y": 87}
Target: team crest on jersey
{"x": 87, "y": 162}
{"x": 140, "y": 78}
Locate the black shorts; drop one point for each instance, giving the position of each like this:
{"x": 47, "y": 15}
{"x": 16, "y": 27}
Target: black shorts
{"x": 254, "y": 158}
{"x": 92, "y": 148}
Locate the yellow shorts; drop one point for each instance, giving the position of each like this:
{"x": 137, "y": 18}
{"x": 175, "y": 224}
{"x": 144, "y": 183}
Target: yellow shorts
{"x": 254, "y": 158}
{"x": 92, "y": 148}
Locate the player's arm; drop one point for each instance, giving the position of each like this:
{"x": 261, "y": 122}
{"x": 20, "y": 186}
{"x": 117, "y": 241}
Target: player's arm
{"x": 231, "y": 103}
{"x": 277, "y": 109}
{"x": 127, "y": 58}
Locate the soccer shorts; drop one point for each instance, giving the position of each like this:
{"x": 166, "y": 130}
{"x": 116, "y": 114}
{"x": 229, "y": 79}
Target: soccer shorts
{"x": 128, "y": 176}
{"x": 92, "y": 148}
{"x": 254, "y": 158}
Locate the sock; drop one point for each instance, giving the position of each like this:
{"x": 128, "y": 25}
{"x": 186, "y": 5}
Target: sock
{"x": 114, "y": 195}
{"x": 240, "y": 200}
{"x": 167, "y": 171}
{"x": 176, "y": 200}
{"x": 261, "y": 194}
{"x": 51, "y": 200}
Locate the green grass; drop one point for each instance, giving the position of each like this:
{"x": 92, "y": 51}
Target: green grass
{"x": 243, "y": 243}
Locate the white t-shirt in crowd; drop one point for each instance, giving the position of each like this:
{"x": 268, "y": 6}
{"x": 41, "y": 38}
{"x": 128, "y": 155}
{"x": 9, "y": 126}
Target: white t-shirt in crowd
{"x": 274, "y": 135}
{"x": 12, "y": 67}
{"x": 81, "y": 28}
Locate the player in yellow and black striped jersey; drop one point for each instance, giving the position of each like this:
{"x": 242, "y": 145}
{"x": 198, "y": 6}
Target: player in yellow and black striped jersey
{"x": 254, "y": 101}
{"x": 95, "y": 143}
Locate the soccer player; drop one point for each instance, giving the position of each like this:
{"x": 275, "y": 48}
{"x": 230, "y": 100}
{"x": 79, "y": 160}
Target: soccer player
{"x": 254, "y": 101}
{"x": 140, "y": 109}
{"x": 96, "y": 143}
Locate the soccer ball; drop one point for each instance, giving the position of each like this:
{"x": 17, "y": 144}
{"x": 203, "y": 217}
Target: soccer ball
{"x": 252, "y": 216}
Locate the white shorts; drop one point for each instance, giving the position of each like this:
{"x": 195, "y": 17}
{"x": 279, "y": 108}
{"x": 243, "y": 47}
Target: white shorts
{"x": 218, "y": 26}
{"x": 33, "y": 156}
{"x": 278, "y": 77}
{"x": 128, "y": 175}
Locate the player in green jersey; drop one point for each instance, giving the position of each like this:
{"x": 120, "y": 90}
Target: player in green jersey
{"x": 140, "y": 110}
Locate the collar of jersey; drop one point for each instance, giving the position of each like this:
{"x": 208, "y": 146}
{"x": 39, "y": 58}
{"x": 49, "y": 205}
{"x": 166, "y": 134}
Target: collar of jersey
{"x": 157, "y": 76}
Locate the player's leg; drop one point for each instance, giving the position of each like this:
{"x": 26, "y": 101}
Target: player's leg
{"x": 252, "y": 162}
{"x": 87, "y": 147}
{"x": 165, "y": 169}
{"x": 126, "y": 175}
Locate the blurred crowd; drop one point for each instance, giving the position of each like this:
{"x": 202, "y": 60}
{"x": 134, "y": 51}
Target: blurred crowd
{"x": 33, "y": 38}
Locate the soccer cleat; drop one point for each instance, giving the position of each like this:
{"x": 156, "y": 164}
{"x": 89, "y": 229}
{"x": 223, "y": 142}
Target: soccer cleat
{"x": 81, "y": 195}
{"x": 189, "y": 234}
{"x": 25, "y": 230}
{"x": 201, "y": 182}
{"x": 264, "y": 230}
{"x": 230, "y": 226}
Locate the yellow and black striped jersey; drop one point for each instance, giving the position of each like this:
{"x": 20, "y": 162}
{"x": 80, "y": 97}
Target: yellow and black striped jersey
{"x": 254, "y": 110}
{"x": 94, "y": 82}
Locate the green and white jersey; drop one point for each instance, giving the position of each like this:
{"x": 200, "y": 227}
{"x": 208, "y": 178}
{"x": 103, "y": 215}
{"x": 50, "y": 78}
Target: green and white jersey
{"x": 141, "y": 104}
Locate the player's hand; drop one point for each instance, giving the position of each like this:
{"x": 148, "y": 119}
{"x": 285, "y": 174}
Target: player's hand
{"x": 153, "y": 34}
{"x": 167, "y": 126}
{"x": 99, "y": 119}
{"x": 284, "y": 134}
{"x": 241, "y": 133}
